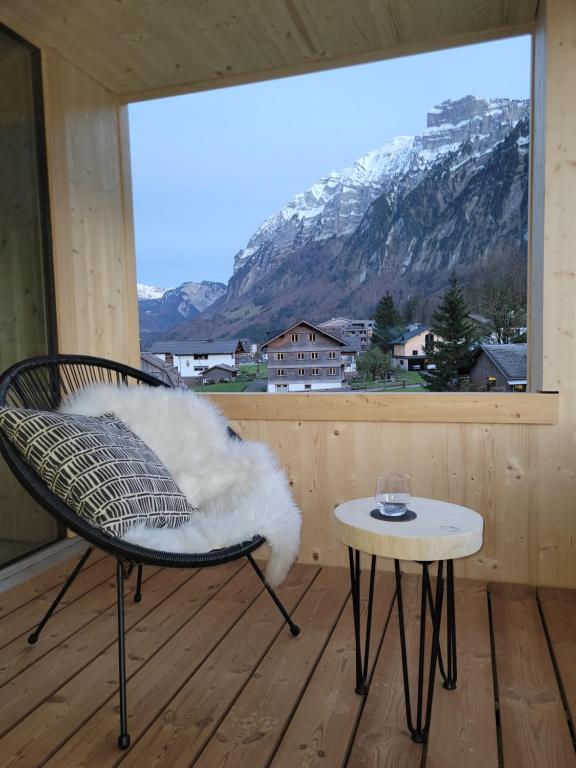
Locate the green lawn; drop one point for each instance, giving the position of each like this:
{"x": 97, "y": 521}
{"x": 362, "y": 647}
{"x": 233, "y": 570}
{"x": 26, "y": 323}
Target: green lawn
{"x": 259, "y": 370}
{"x": 410, "y": 377}
{"x": 232, "y": 386}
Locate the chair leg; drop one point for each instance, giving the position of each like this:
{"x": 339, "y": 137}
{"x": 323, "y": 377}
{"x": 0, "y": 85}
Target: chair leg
{"x": 33, "y": 638}
{"x": 294, "y": 628}
{"x": 138, "y": 593}
{"x": 123, "y": 737}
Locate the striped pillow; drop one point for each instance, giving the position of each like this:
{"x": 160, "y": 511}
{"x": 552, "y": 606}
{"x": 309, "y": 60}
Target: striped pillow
{"x": 98, "y": 467}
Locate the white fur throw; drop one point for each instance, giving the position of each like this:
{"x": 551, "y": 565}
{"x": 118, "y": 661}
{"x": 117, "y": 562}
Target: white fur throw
{"x": 238, "y": 487}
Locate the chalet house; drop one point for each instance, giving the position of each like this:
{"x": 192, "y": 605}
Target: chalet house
{"x": 357, "y": 329}
{"x": 304, "y": 357}
{"x": 500, "y": 368}
{"x": 410, "y": 348}
{"x": 167, "y": 373}
{"x": 193, "y": 358}
{"x": 219, "y": 373}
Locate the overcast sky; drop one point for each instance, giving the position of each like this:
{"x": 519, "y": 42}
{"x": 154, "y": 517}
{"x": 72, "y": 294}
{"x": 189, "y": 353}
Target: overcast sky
{"x": 209, "y": 167}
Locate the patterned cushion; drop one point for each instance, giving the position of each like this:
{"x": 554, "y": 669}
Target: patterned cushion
{"x": 98, "y": 467}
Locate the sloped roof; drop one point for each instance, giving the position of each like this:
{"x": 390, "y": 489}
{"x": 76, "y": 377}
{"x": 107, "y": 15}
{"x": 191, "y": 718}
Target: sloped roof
{"x": 407, "y": 335}
{"x": 223, "y": 366}
{"x": 511, "y": 359}
{"x": 316, "y": 328}
{"x": 198, "y": 347}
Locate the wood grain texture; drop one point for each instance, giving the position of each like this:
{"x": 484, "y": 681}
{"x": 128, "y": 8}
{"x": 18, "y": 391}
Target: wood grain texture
{"x": 321, "y": 731}
{"x": 250, "y": 732}
{"x": 463, "y": 734}
{"x": 415, "y": 407}
{"x": 147, "y": 50}
{"x": 383, "y": 739}
{"x": 193, "y": 715}
{"x": 534, "y": 726}
{"x": 95, "y": 743}
{"x": 494, "y": 469}
{"x": 94, "y": 261}
{"x": 76, "y": 697}
{"x": 559, "y": 612}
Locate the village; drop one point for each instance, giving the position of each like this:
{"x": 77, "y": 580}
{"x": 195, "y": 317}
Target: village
{"x": 333, "y": 355}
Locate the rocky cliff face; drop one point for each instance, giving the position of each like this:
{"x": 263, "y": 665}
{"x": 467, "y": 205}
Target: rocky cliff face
{"x": 402, "y": 218}
{"x": 161, "y": 313}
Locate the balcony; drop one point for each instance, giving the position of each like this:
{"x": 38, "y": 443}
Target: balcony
{"x": 215, "y": 679}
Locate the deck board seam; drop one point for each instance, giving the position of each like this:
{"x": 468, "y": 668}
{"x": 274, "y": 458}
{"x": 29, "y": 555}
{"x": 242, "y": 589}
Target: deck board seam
{"x": 557, "y": 673}
{"x": 59, "y": 610}
{"x": 58, "y": 585}
{"x": 44, "y": 698}
{"x": 217, "y": 723}
{"x": 495, "y": 680}
{"x": 148, "y": 660}
{"x": 358, "y": 720}
{"x": 304, "y": 688}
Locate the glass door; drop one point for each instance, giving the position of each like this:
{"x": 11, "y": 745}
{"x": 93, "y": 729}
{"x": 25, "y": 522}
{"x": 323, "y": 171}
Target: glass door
{"x": 26, "y": 313}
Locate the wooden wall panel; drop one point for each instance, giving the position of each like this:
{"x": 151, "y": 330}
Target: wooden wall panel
{"x": 94, "y": 262}
{"x": 494, "y": 469}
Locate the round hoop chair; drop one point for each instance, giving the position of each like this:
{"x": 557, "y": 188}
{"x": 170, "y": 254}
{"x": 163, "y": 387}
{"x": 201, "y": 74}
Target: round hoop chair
{"x": 43, "y": 383}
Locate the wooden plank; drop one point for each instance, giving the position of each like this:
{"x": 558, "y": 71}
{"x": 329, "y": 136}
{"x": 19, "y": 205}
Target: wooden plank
{"x": 23, "y": 619}
{"x": 19, "y": 655}
{"x": 321, "y": 730}
{"x": 463, "y": 730}
{"x": 250, "y": 732}
{"x": 382, "y": 738}
{"x": 54, "y": 721}
{"x": 534, "y": 726}
{"x": 414, "y": 407}
{"x": 93, "y": 254}
{"x": 153, "y": 50}
{"x": 157, "y": 681}
{"x": 42, "y": 678}
{"x": 41, "y": 583}
{"x": 193, "y": 715}
{"x": 559, "y": 610}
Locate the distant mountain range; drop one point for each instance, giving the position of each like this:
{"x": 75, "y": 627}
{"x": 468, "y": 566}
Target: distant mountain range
{"x": 402, "y": 218}
{"x": 161, "y": 310}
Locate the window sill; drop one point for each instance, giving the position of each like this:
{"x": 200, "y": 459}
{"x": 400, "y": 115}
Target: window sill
{"x": 416, "y": 407}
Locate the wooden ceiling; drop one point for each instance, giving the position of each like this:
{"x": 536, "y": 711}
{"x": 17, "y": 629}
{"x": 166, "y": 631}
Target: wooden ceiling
{"x": 141, "y": 49}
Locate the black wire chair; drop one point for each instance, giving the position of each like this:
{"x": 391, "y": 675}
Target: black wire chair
{"x": 43, "y": 383}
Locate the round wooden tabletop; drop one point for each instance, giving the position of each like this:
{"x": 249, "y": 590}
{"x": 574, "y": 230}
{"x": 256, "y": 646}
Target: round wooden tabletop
{"x": 441, "y": 531}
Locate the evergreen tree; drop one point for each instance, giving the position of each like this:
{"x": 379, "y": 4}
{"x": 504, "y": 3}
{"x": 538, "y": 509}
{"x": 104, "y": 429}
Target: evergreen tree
{"x": 387, "y": 320}
{"x": 455, "y": 336}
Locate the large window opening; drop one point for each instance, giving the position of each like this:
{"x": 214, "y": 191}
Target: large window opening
{"x": 376, "y": 215}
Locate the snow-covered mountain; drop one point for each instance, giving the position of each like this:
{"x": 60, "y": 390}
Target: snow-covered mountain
{"x": 336, "y": 203}
{"x": 175, "y": 305}
{"x": 402, "y": 219}
{"x": 150, "y": 291}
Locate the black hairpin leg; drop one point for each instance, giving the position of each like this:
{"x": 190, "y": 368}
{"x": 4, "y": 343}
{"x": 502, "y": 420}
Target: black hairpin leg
{"x": 450, "y": 671}
{"x": 294, "y": 628}
{"x": 419, "y": 730}
{"x": 123, "y": 737}
{"x": 33, "y": 638}
{"x": 361, "y": 663}
{"x": 138, "y": 592}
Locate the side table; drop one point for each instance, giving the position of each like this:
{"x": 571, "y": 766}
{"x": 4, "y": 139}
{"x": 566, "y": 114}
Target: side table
{"x": 440, "y": 532}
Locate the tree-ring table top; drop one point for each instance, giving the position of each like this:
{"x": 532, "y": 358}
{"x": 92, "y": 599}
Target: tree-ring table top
{"x": 441, "y": 531}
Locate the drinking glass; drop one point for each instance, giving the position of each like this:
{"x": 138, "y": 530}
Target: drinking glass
{"x": 393, "y": 493}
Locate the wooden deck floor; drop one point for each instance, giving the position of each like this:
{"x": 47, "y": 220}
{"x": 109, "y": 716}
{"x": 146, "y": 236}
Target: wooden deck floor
{"x": 215, "y": 679}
